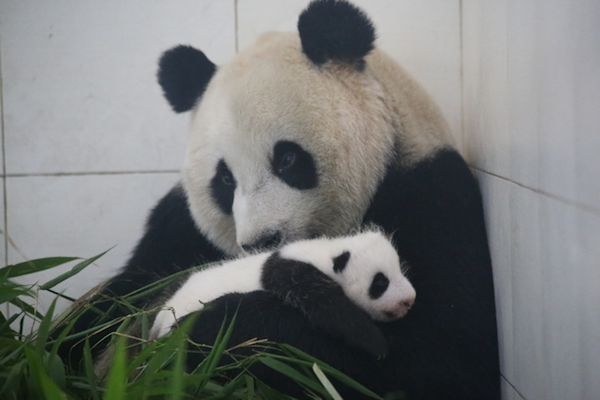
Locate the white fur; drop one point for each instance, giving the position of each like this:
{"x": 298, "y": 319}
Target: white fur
{"x": 370, "y": 253}
{"x": 352, "y": 123}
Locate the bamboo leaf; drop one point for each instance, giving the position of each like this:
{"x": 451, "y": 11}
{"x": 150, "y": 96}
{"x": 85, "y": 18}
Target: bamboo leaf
{"x": 29, "y": 267}
{"x": 116, "y": 382}
{"x": 74, "y": 271}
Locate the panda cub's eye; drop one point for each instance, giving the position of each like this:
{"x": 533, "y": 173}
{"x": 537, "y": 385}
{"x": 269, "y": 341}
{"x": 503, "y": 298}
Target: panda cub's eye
{"x": 287, "y": 161}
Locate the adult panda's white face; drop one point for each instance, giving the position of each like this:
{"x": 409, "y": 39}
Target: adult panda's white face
{"x": 291, "y": 139}
{"x": 281, "y": 149}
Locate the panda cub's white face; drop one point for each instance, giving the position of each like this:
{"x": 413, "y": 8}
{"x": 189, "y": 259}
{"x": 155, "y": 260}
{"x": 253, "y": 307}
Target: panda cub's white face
{"x": 366, "y": 266}
{"x": 282, "y": 150}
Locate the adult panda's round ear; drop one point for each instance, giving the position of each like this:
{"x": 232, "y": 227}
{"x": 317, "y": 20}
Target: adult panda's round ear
{"x": 335, "y": 30}
{"x": 183, "y": 74}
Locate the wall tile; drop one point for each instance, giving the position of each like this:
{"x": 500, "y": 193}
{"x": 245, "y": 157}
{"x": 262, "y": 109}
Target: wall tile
{"x": 80, "y": 216}
{"x": 554, "y": 88}
{"x": 80, "y": 92}
{"x": 496, "y": 199}
{"x": 423, "y": 36}
{"x": 546, "y": 275}
{"x": 485, "y": 99}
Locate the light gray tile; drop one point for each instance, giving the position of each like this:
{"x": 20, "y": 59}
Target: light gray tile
{"x": 496, "y": 198}
{"x": 80, "y": 216}
{"x": 80, "y": 90}
{"x": 485, "y": 101}
{"x": 424, "y": 37}
{"x": 554, "y": 92}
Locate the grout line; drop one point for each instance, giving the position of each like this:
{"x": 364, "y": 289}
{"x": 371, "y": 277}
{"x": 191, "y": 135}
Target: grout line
{"x": 512, "y": 386}
{"x": 235, "y": 18}
{"x": 582, "y": 207}
{"x": 462, "y": 78}
{"x": 4, "y": 194}
{"x": 92, "y": 173}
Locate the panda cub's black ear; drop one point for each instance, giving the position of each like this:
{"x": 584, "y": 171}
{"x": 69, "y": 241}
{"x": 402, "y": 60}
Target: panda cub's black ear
{"x": 183, "y": 74}
{"x": 335, "y": 30}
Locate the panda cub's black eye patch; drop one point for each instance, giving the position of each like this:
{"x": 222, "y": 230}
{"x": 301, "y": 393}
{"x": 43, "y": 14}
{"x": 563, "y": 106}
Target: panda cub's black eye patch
{"x": 379, "y": 285}
{"x": 222, "y": 187}
{"x": 294, "y": 165}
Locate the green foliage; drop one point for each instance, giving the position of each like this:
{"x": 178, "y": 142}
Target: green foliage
{"x": 141, "y": 368}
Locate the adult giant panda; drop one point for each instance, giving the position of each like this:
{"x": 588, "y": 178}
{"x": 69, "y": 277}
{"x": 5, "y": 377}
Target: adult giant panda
{"x": 319, "y": 133}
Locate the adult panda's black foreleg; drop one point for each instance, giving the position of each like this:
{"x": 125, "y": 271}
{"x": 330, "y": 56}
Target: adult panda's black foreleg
{"x": 171, "y": 243}
{"x": 446, "y": 347}
{"x": 263, "y": 315}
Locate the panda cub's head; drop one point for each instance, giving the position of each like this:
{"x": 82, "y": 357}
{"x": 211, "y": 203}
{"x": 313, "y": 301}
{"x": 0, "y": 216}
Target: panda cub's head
{"x": 367, "y": 268}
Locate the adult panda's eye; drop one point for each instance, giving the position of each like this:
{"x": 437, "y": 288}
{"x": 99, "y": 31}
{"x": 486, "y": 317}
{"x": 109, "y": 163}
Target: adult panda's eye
{"x": 294, "y": 165}
{"x": 222, "y": 187}
{"x": 287, "y": 161}
{"x": 227, "y": 179}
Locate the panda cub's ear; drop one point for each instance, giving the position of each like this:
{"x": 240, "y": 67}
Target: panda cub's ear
{"x": 335, "y": 30}
{"x": 184, "y": 73}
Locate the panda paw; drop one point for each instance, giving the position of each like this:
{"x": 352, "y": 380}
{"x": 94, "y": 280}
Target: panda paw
{"x": 374, "y": 343}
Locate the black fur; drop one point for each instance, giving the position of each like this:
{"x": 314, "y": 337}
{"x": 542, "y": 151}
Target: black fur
{"x": 294, "y": 165}
{"x": 262, "y": 314}
{"x": 378, "y": 286}
{"x": 184, "y": 73}
{"x": 445, "y": 347}
{"x": 335, "y": 30}
{"x": 322, "y": 302}
{"x": 222, "y": 187}
{"x": 170, "y": 244}
{"x": 340, "y": 262}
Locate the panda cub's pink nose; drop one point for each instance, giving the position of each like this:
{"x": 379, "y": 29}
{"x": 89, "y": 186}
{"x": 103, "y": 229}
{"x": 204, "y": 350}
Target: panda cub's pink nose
{"x": 401, "y": 308}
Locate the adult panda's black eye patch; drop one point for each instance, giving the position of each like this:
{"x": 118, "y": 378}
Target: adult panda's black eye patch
{"x": 294, "y": 165}
{"x": 222, "y": 187}
{"x": 378, "y": 286}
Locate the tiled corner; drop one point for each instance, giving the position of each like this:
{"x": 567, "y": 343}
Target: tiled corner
{"x": 545, "y": 258}
{"x": 554, "y": 87}
{"x": 424, "y": 37}
{"x": 80, "y": 216}
{"x": 79, "y": 81}
{"x": 496, "y": 199}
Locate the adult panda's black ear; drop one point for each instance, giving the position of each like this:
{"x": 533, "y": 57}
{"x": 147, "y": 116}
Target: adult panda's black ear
{"x": 335, "y": 30}
{"x": 183, "y": 74}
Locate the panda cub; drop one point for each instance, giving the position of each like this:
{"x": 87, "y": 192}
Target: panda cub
{"x": 365, "y": 266}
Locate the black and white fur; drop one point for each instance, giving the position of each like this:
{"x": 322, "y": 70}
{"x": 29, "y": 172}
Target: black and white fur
{"x": 319, "y": 133}
{"x": 365, "y": 266}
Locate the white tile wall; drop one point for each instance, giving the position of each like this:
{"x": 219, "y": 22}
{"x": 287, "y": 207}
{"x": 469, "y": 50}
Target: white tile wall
{"x": 531, "y": 73}
{"x": 521, "y": 76}
{"x": 423, "y": 36}
{"x": 80, "y": 91}
{"x": 532, "y": 94}
{"x": 80, "y": 216}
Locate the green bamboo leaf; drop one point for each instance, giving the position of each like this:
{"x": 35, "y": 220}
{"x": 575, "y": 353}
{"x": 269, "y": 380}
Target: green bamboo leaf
{"x": 290, "y": 372}
{"x": 89, "y": 369}
{"x": 345, "y": 379}
{"x": 116, "y": 382}
{"x": 29, "y": 267}
{"x": 44, "y": 329}
{"x": 50, "y": 389}
{"x": 74, "y": 271}
{"x": 326, "y": 383}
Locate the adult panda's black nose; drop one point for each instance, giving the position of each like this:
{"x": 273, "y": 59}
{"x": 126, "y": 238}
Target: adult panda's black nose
{"x": 264, "y": 242}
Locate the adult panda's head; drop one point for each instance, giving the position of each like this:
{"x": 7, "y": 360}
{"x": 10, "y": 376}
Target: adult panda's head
{"x": 291, "y": 138}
